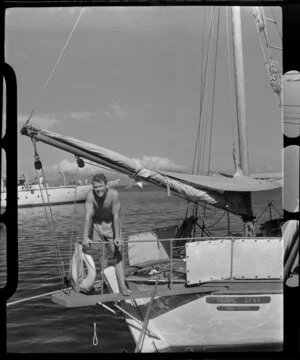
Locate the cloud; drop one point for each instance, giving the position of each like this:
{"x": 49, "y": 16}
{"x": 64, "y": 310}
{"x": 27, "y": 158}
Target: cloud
{"x": 43, "y": 121}
{"x": 47, "y": 121}
{"x": 158, "y": 163}
{"x": 115, "y": 111}
{"x": 71, "y": 167}
{"x": 151, "y": 162}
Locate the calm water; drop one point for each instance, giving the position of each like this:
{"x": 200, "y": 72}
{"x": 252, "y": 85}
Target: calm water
{"x": 42, "y": 326}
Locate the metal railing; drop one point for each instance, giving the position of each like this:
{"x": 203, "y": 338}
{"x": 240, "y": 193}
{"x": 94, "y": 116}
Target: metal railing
{"x": 176, "y": 252}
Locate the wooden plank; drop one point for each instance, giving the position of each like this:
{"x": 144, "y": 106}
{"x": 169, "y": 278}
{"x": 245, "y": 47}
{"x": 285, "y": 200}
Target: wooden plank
{"x": 75, "y": 299}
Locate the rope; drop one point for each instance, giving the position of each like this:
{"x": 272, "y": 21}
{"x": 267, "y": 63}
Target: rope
{"x": 275, "y": 22}
{"x": 203, "y": 74}
{"x": 52, "y": 72}
{"x": 265, "y": 209}
{"x": 73, "y": 216}
{"x": 51, "y": 224}
{"x": 140, "y": 342}
{"x": 203, "y": 140}
{"x": 195, "y": 214}
{"x": 215, "y": 223}
{"x": 201, "y": 102}
{"x": 205, "y": 230}
{"x": 198, "y": 145}
{"x": 271, "y": 66}
{"x": 95, "y": 339}
{"x": 36, "y": 156}
{"x": 32, "y": 297}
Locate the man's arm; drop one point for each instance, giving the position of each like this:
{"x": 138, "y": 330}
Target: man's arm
{"x": 89, "y": 212}
{"x": 116, "y": 207}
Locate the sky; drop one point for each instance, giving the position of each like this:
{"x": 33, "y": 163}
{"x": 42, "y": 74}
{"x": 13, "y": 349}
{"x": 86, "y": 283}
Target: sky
{"x": 129, "y": 80}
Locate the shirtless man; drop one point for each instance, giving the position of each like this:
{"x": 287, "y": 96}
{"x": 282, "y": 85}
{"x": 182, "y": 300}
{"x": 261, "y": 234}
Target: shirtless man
{"x": 102, "y": 223}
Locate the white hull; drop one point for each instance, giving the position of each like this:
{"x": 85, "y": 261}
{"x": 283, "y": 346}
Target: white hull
{"x": 199, "y": 325}
{"x": 57, "y": 195}
{"x": 237, "y": 299}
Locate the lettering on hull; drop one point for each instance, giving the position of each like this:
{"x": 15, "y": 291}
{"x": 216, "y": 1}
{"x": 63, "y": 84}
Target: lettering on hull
{"x": 238, "y": 300}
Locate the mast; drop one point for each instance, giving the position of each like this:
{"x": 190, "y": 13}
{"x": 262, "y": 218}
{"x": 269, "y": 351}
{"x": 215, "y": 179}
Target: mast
{"x": 240, "y": 86}
{"x": 249, "y": 229}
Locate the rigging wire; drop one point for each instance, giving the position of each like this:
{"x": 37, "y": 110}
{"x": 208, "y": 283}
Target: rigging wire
{"x": 51, "y": 220}
{"x": 203, "y": 74}
{"x": 202, "y": 144}
{"x": 73, "y": 217}
{"x": 202, "y": 80}
{"x": 54, "y": 68}
{"x": 205, "y": 132}
{"x": 202, "y": 92}
{"x": 276, "y": 24}
{"x": 213, "y": 94}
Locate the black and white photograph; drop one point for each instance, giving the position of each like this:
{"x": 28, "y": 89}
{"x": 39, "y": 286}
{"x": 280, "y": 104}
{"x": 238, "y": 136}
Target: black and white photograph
{"x": 152, "y": 179}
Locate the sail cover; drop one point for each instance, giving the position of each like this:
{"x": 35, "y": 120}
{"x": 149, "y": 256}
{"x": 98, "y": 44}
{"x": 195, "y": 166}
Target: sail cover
{"x": 222, "y": 183}
{"x": 233, "y": 195}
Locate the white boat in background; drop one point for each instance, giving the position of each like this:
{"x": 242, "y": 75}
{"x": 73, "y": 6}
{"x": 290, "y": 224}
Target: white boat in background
{"x": 34, "y": 194}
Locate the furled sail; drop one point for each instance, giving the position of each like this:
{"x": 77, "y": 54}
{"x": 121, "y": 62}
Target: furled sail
{"x": 232, "y": 195}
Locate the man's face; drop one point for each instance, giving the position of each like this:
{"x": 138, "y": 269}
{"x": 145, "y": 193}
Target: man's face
{"x": 99, "y": 188}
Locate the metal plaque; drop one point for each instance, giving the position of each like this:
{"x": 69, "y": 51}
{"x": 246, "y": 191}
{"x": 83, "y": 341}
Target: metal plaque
{"x": 258, "y": 258}
{"x": 208, "y": 260}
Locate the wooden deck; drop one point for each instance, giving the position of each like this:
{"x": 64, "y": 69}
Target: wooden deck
{"x": 72, "y": 299}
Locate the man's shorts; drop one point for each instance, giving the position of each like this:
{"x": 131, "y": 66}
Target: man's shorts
{"x": 101, "y": 232}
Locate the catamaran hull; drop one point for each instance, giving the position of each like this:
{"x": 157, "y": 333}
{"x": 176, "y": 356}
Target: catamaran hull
{"x": 56, "y": 195}
{"x": 210, "y": 322}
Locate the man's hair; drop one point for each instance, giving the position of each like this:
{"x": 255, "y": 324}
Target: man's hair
{"x": 100, "y": 177}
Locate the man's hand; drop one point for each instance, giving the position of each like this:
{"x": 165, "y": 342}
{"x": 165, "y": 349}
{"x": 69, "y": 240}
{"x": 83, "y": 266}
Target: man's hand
{"x": 86, "y": 242}
{"x": 118, "y": 242}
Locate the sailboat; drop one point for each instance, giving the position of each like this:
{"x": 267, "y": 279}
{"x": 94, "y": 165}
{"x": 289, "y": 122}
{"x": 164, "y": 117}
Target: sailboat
{"x": 190, "y": 292}
{"x": 32, "y": 194}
